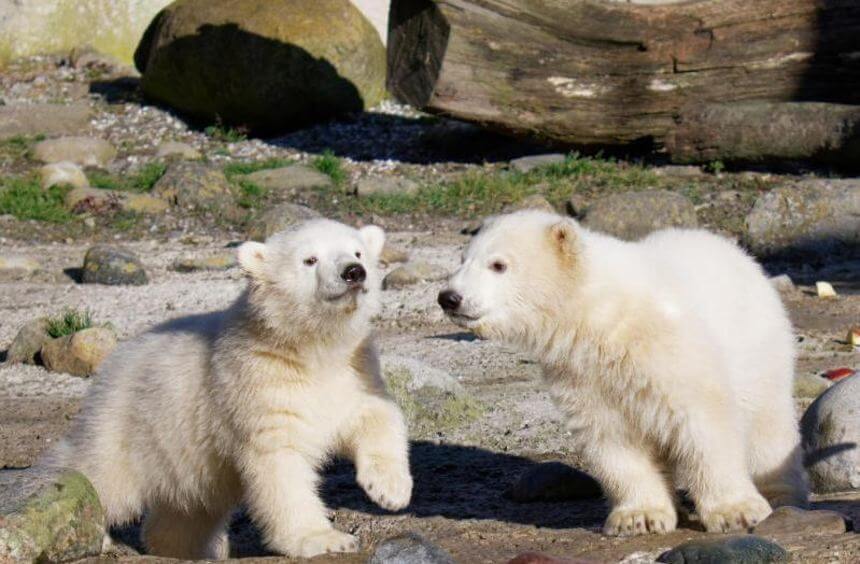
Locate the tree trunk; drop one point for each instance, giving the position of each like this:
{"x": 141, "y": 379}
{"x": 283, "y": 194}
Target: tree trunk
{"x": 597, "y": 72}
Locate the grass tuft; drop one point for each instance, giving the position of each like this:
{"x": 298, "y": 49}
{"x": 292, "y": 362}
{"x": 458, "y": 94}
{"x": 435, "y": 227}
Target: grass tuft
{"x": 69, "y": 322}
{"x": 25, "y": 199}
{"x": 330, "y": 164}
{"x": 233, "y": 170}
{"x": 141, "y": 181}
{"x": 220, "y": 132}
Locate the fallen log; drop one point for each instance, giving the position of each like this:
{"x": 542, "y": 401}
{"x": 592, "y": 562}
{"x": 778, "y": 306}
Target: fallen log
{"x": 596, "y": 72}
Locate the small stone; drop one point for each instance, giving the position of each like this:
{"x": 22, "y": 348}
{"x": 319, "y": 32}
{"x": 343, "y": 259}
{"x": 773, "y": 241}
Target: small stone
{"x": 93, "y": 200}
{"x": 853, "y": 338}
{"x": 831, "y": 438}
{"x": 80, "y": 353}
{"x": 90, "y": 222}
{"x": 391, "y": 254}
{"x": 113, "y": 266}
{"x": 27, "y": 345}
{"x": 279, "y": 218}
{"x": 16, "y": 267}
{"x": 84, "y": 151}
{"x": 782, "y": 283}
{"x": 532, "y": 202}
{"x": 825, "y": 290}
{"x": 218, "y": 262}
{"x": 737, "y": 550}
{"x": 170, "y": 149}
{"x": 633, "y": 215}
{"x": 528, "y": 164}
{"x": 194, "y": 185}
{"x": 791, "y": 520}
{"x": 43, "y": 119}
{"x": 49, "y": 515}
{"x": 554, "y": 481}
{"x": 409, "y": 548}
{"x": 838, "y": 374}
{"x": 291, "y": 179}
{"x": 538, "y": 558}
{"x": 412, "y": 273}
{"x": 63, "y": 173}
{"x": 386, "y": 185}
{"x": 810, "y": 385}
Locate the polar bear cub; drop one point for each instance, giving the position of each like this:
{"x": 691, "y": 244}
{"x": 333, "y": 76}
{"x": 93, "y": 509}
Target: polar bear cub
{"x": 244, "y": 405}
{"x": 672, "y": 358}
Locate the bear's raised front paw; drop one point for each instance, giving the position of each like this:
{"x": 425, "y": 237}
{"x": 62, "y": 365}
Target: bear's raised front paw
{"x": 326, "y": 541}
{"x": 736, "y": 516}
{"x": 640, "y": 521}
{"x": 388, "y": 485}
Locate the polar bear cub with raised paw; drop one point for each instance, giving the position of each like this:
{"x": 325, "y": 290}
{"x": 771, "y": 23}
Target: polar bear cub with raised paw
{"x": 672, "y": 357}
{"x": 244, "y": 405}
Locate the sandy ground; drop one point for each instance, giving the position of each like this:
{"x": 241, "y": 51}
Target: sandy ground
{"x": 461, "y": 473}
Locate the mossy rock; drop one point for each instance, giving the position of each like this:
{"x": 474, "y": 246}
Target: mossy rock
{"x": 269, "y": 65}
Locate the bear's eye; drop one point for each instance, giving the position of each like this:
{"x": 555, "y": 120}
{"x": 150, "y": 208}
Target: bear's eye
{"x": 357, "y": 254}
{"x": 310, "y": 261}
{"x": 498, "y": 266}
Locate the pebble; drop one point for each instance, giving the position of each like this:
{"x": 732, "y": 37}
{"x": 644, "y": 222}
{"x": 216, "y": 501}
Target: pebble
{"x": 291, "y": 179}
{"x": 84, "y": 151}
{"x": 391, "y": 254}
{"x": 386, "y": 185}
{"x": 223, "y": 261}
{"x": 782, "y": 283}
{"x": 810, "y": 385}
{"x": 747, "y": 549}
{"x": 853, "y": 338}
{"x": 17, "y": 267}
{"x": 825, "y": 290}
{"x": 28, "y": 343}
{"x": 554, "y": 481}
{"x": 831, "y": 438}
{"x": 62, "y": 173}
{"x": 527, "y": 164}
{"x": 80, "y": 353}
{"x": 412, "y": 273}
{"x": 113, "y": 266}
{"x": 409, "y": 548}
{"x": 791, "y": 520}
{"x": 170, "y": 149}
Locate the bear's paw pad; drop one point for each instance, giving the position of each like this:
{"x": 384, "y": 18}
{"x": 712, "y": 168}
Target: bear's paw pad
{"x": 640, "y": 521}
{"x": 326, "y": 542}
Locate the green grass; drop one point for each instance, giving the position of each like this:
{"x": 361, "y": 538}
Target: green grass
{"x": 330, "y": 164}
{"x": 233, "y": 170}
{"x": 124, "y": 220}
{"x": 19, "y": 146}
{"x": 141, "y": 181}
{"x": 25, "y": 199}
{"x": 226, "y": 134}
{"x": 250, "y": 195}
{"x": 69, "y": 322}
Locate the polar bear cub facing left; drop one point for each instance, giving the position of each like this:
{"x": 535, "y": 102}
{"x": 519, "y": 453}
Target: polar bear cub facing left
{"x": 243, "y": 405}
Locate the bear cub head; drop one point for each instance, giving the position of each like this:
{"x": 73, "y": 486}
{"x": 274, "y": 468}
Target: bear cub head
{"x": 514, "y": 275}
{"x": 314, "y": 277}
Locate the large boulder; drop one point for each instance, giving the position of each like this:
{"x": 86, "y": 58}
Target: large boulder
{"x": 269, "y": 65}
{"x": 811, "y": 217}
{"x": 633, "y": 215}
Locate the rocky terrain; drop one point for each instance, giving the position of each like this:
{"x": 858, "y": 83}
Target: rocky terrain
{"x": 178, "y": 197}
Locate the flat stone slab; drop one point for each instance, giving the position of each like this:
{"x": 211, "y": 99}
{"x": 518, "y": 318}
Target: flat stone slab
{"x": 43, "y": 119}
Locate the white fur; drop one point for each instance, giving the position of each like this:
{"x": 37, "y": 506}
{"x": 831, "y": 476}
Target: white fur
{"x": 672, "y": 357}
{"x": 244, "y": 405}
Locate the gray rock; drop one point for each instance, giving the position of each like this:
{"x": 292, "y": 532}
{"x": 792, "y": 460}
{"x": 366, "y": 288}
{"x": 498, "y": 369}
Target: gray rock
{"x": 554, "y": 481}
{"x": 736, "y": 550}
{"x": 26, "y": 346}
{"x": 527, "y": 164}
{"x": 223, "y": 261}
{"x": 194, "y": 185}
{"x": 64, "y": 173}
{"x": 810, "y": 385}
{"x": 80, "y": 353}
{"x": 783, "y": 283}
{"x": 48, "y": 515}
{"x": 170, "y": 149}
{"x": 277, "y": 219}
{"x": 44, "y": 119}
{"x": 387, "y": 185}
{"x": 98, "y": 200}
{"x": 84, "y": 151}
{"x": 633, "y": 215}
{"x": 831, "y": 437}
{"x": 413, "y": 272}
{"x": 791, "y": 520}
{"x": 421, "y": 375}
{"x": 532, "y": 202}
{"x": 113, "y": 266}
{"x": 812, "y": 217}
{"x": 290, "y": 179}
{"x": 391, "y": 254}
{"x": 16, "y": 267}
{"x": 409, "y": 548}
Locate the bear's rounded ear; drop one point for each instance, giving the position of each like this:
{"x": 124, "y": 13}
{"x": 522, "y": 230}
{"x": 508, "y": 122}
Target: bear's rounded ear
{"x": 563, "y": 237}
{"x": 252, "y": 257}
{"x": 374, "y": 239}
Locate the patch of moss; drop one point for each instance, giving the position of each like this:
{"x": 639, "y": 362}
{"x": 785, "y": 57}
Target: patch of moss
{"x": 430, "y": 410}
{"x": 25, "y": 199}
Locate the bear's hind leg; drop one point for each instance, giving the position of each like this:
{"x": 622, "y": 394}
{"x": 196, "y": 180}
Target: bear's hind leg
{"x": 190, "y": 534}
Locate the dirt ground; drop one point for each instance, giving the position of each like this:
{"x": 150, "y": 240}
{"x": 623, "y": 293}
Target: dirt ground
{"x": 461, "y": 474}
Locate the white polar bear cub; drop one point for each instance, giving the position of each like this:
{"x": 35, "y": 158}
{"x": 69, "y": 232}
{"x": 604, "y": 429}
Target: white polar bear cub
{"x": 672, "y": 357}
{"x": 243, "y": 405}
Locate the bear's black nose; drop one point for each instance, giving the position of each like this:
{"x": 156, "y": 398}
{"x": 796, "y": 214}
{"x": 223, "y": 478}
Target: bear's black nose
{"x": 354, "y": 273}
{"x": 450, "y": 300}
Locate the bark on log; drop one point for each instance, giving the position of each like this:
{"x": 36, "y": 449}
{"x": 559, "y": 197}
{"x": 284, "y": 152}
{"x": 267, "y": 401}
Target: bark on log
{"x": 596, "y": 72}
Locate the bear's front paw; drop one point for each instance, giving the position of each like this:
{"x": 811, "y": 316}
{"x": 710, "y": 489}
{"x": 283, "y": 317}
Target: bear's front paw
{"x": 735, "y": 516}
{"x": 326, "y": 541}
{"x": 640, "y": 521}
{"x": 389, "y": 485}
